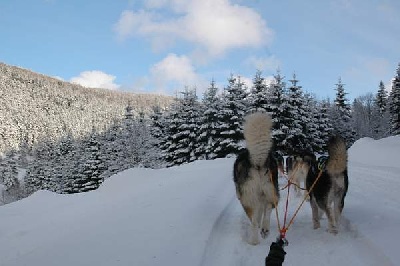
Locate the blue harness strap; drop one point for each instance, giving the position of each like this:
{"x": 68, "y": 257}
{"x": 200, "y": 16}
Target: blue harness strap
{"x": 321, "y": 162}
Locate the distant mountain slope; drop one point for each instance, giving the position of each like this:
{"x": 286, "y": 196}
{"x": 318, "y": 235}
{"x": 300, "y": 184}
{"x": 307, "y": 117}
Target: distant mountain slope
{"x": 34, "y": 106}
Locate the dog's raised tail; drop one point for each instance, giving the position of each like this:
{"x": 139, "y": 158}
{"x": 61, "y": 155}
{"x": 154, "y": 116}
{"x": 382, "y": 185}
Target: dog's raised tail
{"x": 337, "y": 151}
{"x": 257, "y": 133}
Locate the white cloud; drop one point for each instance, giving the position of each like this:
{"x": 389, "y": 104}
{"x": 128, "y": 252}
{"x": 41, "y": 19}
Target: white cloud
{"x": 95, "y": 79}
{"x": 175, "y": 72}
{"x": 213, "y": 26}
{"x": 270, "y": 63}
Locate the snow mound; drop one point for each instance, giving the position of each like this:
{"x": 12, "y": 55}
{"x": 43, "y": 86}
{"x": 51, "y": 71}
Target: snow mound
{"x": 382, "y": 152}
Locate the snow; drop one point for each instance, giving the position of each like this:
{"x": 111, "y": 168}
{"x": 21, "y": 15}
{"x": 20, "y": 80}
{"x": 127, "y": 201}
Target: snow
{"x": 189, "y": 215}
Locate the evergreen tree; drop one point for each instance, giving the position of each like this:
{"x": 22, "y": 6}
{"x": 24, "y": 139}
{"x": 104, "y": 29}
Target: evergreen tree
{"x": 395, "y": 104}
{"x": 186, "y": 137}
{"x": 127, "y": 139}
{"x": 91, "y": 166}
{"x": 158, "y": 130}
{"x": 297, "y": 119}
{"x": 341, "y": 116}
{"x": 231, "y": 117}
{"x": 9, "y": 178}
{"x": 258, "y": 94}
{"x": 313, "y": 136}
{"x": 65, "y": 163}
{"x": 113, "y": 148}
{"x": 171, "y": 118}
{"x": 209, "y": 134}
{"x": 380, "y": 113}
{"x": 381, "y": 98}
{"x": 40, "y": 172}
{"x": 278, "y": 106}
{"x": 324, "y": 127}
{"x": 146, "y": 151}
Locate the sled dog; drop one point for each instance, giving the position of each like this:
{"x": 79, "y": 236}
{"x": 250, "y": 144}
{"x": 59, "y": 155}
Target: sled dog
{"x": 254, "y": 169}
{"x": 297, "y": 174}
{"x": 330, "y": 190}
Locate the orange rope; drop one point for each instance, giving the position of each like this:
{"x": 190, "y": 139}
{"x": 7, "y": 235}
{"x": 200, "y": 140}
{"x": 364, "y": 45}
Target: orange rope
{"x": 284, "y": 229}
{"x": 275, "y": 202}
{"x": 304, "y": 199}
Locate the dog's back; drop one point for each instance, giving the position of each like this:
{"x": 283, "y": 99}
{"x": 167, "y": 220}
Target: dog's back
{"x": 253, "y": 170}
{"x": 332, "y": 184}
{"x": 257, "y": 155}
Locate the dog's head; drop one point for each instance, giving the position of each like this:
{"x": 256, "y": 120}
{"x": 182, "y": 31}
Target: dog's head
{"x": 301, "y": 164}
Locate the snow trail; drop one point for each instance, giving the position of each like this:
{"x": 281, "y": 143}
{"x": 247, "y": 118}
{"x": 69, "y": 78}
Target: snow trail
{"x": 227, "y": 242}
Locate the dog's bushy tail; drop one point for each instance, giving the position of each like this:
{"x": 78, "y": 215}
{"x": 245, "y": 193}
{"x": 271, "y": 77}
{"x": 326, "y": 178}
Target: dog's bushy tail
{"x": 257, "y": 133}
{"x": 337, "y": 151}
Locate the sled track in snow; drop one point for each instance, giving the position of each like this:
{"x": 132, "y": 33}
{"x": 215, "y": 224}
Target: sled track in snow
{"x": 227, "y": 241}
{"x": 227, "y": 244}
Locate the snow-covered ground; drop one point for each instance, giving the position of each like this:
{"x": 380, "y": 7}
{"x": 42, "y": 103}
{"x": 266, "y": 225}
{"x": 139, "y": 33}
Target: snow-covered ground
{"x": 189, "y": 215}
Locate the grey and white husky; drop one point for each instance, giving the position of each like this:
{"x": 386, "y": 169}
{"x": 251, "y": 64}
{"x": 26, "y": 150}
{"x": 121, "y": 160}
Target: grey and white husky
{"x": 256, "y": 174}
{"x": 330, "y": 190}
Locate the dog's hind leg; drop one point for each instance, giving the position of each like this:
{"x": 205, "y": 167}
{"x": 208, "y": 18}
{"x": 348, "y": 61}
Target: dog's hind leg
{"x": 332, "y": 228}
{"x": 330, "y": 212}
{"x": 315, "y": 215}
{"x": 253, "y": 215}
{"x": 266, "y": 220}
{"x": 337, "y": 210}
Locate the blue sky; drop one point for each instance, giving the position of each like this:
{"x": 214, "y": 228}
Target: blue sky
{"x": 163, "y": 45}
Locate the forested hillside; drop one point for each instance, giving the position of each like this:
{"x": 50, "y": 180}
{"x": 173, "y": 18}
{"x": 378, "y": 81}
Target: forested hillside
{"x": 35, "y": 107}
{"x": 65, "y": 138}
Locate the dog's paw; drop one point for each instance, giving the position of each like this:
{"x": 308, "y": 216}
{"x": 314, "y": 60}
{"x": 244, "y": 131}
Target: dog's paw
{"x": 333, "y": 230}
{"x": 254, "y": 240}
{"x": 264, "y": 233}
{"x": 316, "y": 225}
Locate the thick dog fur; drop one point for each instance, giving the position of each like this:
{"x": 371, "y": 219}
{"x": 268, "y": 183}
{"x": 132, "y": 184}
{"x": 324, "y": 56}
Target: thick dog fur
{"x": 329, "y": 192}
{"x": 254, "y": 169}
{"x": 299, "y": 170}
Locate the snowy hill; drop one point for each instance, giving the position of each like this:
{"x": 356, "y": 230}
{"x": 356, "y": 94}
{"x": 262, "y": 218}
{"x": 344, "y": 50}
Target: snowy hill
{"x": 35, "y": 106}
{"x": 189, "y": 215}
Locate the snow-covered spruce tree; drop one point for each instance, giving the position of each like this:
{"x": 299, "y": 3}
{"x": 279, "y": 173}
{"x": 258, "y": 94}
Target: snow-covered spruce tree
{"x": 395, "y": 104}
{"x": 65, "y": 164}
{"x": 186, "y": 138}
{"x": 277, "y": 105}
{"x": 169, "y": 143}
{"x": 381, "y": 98}
{"x": 314, "y": 142}
{"x": 380, "y": 116}
{"x": 145, "y": 150}
{"x": 341, "y": 115}
{"x": 41, "y": 169}
{"x": 9, "y": 179}
{"x": 258, "y": 97}
{"x": 91, "y": 166}
{"x": 158, "y": 129}
{"x": 234, "y": 105}
{"x": 209, "y": 132}
{"x": 324, "y": 126}
{"x": 113, "y": 148}
{"x": 127, "y": 140}
{"x": 297, "y": 119}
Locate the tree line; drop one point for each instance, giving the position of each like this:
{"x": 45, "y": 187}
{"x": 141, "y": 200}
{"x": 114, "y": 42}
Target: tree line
{"x": 209, "y": 128}
{"x": 193, "y": 128}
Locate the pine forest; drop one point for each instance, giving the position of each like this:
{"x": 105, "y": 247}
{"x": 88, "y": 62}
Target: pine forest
{"x": 65, "y": 138}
